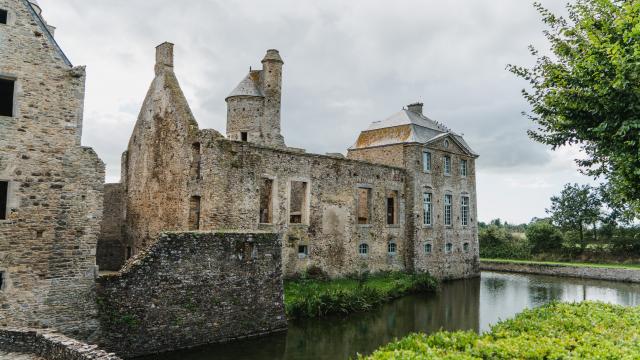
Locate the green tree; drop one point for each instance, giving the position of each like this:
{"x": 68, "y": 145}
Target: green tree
{"x": 543, "y": 236}
{"x": 588, "y": 92}
{"x": 576, "y": 207}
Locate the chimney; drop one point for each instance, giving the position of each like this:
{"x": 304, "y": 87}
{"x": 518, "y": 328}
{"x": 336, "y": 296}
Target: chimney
{"x": 164, "y": 57}
{"x": 415, "y": 108}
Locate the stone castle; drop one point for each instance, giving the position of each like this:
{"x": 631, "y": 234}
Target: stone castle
{"x": 402, "y": 199}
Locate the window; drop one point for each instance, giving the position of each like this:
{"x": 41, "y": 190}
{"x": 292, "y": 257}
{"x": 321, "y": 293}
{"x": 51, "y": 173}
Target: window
{"x": 303, "y": 251}
{"x": 194, "y": 213}
{"x": 447, "y": 165}
{"x": 363, "y": 249}
{"x": 426, "y": 161}
{"x": 364, "y": 206}
{"x": 244, "y": 136}
{"x": 448, "y": 200}
{"x": 4, "y": 199}
{"x": 463, "y": 167}
{"x": 392, "y": 248}
{"x": 448, "y": 248}
{"x": 392, "y": 207}
{"x": 464, "y": 206}
{"x": 297, "y": 202}
{"x": 465, "y": 247}
{"x": 427, "y": 248}
{"x": 6, "y": 97}
{"x": 446, "y": 143}
{"x": 129, "y": 252}
{"x": 266, "y": 195}
{"x": 195, "y": 161}
{"x": 427, "y": 208}
{"x": 4, "y": 15}
{"x": 1, "y": 280}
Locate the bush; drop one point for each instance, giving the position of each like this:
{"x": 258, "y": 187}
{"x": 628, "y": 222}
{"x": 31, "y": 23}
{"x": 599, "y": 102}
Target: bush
{"x": 498, "y": 243}
{"x": 543, "y": 237}
{"x": 586, "y": 330}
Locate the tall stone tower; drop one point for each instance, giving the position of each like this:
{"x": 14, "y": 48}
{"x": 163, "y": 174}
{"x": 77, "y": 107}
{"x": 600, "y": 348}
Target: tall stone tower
{"x": 253, "y": 107}
{"x": 50, "y": 185}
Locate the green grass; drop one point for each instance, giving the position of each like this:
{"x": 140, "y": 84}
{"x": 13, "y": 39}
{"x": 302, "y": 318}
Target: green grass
{"x": 316, "y": 298}
{"x": 586, "y": 330}
{"x": 581, "y": 264}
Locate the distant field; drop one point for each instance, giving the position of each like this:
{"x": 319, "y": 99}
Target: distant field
{"x": 581, "y": 264}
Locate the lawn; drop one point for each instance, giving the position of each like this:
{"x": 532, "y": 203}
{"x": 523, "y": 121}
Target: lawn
{"x": 307, "y": 298}
{"x": 581, "y": 264}
{"x": 587, "y": 330}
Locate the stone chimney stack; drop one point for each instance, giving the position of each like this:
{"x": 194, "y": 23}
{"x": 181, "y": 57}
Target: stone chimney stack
{"x": 164, "y": 57}
{"x": 415, "y": 108}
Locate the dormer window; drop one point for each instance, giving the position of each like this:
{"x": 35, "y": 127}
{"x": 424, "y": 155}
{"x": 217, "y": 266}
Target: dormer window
{"x": 4, "y": 15}
{"x": 7, "y": 87}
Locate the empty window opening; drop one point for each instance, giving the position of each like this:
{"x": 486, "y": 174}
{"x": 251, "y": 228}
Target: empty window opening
{"x": 426, "y": 161}
{"x": 4, "y": 15}
{"x": 303, "y": 251}
{"x": 463, "y": 168}
{"x": 448, "y": 200}
{"x": 464, "y": 205}
{"x": 129, "y": 252}
{"x": 6, "y": 97}
{"x": 427, "y": 248}
{"x": 1, "y": 280}
{"x": 4, "y": 199}
{"x": 194, "y": 213}
{"x": 246, "y": 250}
{"x": 195, "y": 161}
{"x": 364, "y": 206}
{"x": 447, "y": 165}
{"x": 297, "y": 202}
{"x": 39, "y": 234}
{"x": 427, "y": 207}
{"x": 392, "y": 208}
{"x": 363, "y": 249}
{"x": 465, "y": 247}
{"x": 448, "y": 248}
{"x": 392, "y": 247}
{"x": 266, "y": 198}
{"x": 244, "y": 136}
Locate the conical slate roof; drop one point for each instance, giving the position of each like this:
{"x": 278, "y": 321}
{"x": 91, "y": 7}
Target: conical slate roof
{"x": 249, "y": 86}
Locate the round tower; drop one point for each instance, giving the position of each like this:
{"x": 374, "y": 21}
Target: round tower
{"x": 245, "y": 110}
{"x": 272, "y": 89}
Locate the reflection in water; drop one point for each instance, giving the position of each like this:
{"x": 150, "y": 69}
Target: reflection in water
{"x": 461, "y": 305}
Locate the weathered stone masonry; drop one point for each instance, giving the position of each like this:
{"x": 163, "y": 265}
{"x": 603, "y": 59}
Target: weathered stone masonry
{"x": 190, "y": 289}
{"x": 344, "y": 215}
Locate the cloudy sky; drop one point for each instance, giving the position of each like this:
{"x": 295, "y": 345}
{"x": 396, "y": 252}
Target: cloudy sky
{"x": 347, "y": 63}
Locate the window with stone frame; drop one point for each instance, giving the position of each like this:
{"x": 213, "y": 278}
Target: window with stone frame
{"x": 392, "y": 207}
{"x": 447, "y": 165}
{"x": 465, "y": 247}
{"x": 303, "y": 251}
{"x": 363, "y": 205}
{"x": 266, "y": 201}
{"x": 392, "y": 248}
{"x": 4, "y": 16}
{"x": 244, "y": 136}
{"x": 464, "y": 208}
{"x": 448, "y": 201}
{"x": 463, "y": 168}
{"x": 194, "y": 213}
{"x": 448, "y": 248}
{"x": 363, "y": 249}
{"x": 428, "y": 248}
{"x": 297, "y": 202}
{"x": 427, "y": 207}
{"x": 4, "y": 200}
{"x": 7, "y": 89}
{"x": 426, "y": 161}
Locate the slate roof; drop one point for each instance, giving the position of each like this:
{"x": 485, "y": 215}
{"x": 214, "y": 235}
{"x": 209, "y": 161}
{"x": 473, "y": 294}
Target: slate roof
{"x": 249, "y": 86}
{"x": 407, "y": 127}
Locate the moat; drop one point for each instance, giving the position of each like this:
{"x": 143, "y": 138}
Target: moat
{"x": 460, "y": 305}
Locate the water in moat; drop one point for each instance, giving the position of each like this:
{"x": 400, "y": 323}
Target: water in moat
{"x": 460, "y": 305}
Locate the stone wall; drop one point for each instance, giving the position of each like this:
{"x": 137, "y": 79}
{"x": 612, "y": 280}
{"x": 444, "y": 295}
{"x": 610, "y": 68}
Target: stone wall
{"x": 585, "y": 272}
{"x": 50, "y": 346}
{"x": 112, "y": 247}
{"x": 190, "y": 289}
{"x": 48, "y": 241}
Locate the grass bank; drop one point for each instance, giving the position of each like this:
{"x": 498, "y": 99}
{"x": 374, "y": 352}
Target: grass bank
{"x": 307, "y": 298}
{"x": 581, "y": 264}
{"x": 585, "y": 330}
